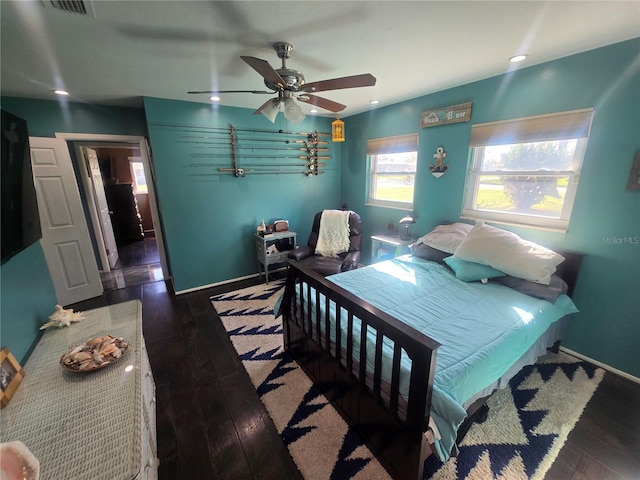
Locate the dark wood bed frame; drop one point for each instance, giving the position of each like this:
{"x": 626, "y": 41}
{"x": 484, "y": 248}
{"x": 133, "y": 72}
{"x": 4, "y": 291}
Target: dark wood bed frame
{"x": 397, "y": 440}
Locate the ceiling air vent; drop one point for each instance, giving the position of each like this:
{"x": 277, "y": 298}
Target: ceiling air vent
{"x": 70, "y": 6}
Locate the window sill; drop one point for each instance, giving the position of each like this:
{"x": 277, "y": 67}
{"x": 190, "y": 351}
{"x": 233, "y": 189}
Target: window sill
{"x": 407, "y": 207}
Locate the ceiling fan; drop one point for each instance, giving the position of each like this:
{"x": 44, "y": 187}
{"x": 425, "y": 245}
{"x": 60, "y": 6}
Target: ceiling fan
{"x": 289, "y": 84}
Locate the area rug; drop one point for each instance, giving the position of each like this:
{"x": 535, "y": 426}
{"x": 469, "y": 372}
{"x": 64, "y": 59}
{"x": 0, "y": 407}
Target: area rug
{"x": 528, "y": 421}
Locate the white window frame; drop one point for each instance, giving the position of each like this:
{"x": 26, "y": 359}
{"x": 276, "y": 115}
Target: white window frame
{"x": 384, "y": 146}
{"x": 136, "y": 163}
{"x": 574, "y": 125}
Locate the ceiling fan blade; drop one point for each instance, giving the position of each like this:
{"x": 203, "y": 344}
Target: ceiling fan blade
{"x": 264, "y": 69}
{"x": 322, "y": 102}
{"x": 209, "y": 92}
{"x": 354, "y": 81}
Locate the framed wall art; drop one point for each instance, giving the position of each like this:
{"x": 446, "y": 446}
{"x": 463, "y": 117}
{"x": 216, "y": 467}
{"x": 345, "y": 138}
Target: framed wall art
{"x": 11, "y": 375}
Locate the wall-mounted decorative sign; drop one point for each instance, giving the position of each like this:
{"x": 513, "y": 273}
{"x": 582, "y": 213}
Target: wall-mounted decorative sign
{"x": 439, "y": 168}
{"x": 446, "y": 115}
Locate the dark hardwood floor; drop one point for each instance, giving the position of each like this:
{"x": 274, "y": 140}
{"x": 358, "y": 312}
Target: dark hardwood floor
{"x": 138, "y": 263}
{"x": 212, "y": 425}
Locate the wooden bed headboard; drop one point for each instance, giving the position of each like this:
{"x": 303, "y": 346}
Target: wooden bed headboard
{"x": 568, "y": 270}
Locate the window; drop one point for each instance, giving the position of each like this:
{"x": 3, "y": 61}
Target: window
{"x": 526, "y": 171}
{"x": 392, "y": 170}
{"x": 137, "y": 174}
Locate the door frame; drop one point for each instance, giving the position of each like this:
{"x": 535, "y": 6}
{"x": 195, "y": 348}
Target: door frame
{"x": 95, "y": 140}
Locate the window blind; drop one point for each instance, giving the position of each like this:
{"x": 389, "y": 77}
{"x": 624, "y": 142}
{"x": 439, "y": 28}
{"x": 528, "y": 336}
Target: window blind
{"x": 540, "y": 128}
{"x": 397, "y": 144}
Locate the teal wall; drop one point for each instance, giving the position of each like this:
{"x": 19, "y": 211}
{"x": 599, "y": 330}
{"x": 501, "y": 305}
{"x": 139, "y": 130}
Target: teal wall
{"x": 27, "y": 298}
{"x": 209, "y": 221}
{"x": 604, "y": 214}
{"x": 27, "y": 295}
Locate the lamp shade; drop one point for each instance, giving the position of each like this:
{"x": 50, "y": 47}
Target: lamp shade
{"x": 292, "y": 111}
{"x": 271, "y": 110}
{"x": 406, "y": 221}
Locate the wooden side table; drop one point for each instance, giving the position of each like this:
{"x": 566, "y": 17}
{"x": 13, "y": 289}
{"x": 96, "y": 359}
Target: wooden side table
{"x": 384, "y": 247}
{"x": 265, "y": 253}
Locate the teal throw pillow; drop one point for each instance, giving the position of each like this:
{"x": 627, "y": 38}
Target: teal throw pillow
{"x": 471, "y": 271}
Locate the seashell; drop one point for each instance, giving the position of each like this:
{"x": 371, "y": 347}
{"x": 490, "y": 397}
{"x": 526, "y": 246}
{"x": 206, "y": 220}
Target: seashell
{"x": 98, "y": 340}
{"x": 62, "y": 318}
{"x": 87, "y": 365}
{"x": 109, "y": 349}
{"x": 76, "y": 350}
{"x": 81, "y": 356}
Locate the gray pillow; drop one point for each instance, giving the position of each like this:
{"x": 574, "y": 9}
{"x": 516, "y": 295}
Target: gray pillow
{"x": 429, "y": 253}
{"x": 550, "y": 293}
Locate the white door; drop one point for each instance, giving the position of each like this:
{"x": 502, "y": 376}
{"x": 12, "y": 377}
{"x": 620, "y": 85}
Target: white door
{"x": 100, "y": 201}
{"x": 65, "y": 236}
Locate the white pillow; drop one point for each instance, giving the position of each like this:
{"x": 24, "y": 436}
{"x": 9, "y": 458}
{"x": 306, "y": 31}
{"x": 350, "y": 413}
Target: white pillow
{"x": 509, "y": 253}
{"x": 446, "y": 238}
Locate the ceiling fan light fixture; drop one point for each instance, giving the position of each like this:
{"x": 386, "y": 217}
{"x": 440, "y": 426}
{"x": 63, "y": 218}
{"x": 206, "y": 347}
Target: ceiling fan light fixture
{"x": 292, "y": 111}
{"x": 271, "y": 110}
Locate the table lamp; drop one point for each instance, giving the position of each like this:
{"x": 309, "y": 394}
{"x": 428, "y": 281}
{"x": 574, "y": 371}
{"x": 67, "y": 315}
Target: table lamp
{"x": 406, "y": 221}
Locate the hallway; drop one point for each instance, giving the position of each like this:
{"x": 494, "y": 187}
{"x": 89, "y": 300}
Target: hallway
{"x": 138, "y": 264}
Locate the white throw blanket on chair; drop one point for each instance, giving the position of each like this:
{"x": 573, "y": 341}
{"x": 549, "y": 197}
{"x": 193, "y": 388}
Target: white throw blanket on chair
{"x": 333, "y": 237}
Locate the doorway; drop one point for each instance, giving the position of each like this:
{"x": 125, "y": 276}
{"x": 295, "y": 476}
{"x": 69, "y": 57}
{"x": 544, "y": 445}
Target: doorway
{"x": 126, "y": 194}
{"x": 132, "y": 219}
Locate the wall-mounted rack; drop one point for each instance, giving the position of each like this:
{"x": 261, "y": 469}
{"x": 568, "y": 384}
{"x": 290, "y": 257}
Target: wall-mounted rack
{"x": 220, "y": 151}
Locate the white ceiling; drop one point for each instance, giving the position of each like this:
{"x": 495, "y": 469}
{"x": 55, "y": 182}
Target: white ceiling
{"x": 125, "y": 50}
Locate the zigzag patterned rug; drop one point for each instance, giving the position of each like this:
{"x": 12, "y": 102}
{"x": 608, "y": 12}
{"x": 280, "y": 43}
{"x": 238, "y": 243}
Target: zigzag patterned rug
{"x": 527, "y": 425}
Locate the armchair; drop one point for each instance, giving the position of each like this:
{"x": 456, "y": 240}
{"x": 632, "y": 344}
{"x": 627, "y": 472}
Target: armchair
{"x": 330, "y": 265}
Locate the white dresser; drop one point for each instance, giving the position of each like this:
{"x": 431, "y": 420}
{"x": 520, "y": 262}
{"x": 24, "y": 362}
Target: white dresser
{"x": 98, "y": 425}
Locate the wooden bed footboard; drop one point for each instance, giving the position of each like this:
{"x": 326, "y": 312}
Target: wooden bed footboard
{"x": 392, "y": 428}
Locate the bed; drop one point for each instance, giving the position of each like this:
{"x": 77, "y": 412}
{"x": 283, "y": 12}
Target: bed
{"x": 408, "y": 353}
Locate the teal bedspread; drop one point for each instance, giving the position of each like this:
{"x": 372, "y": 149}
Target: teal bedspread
{"x": 483, "y": 328}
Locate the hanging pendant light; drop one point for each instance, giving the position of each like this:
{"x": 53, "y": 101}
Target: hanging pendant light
{"x": 337, "y": 130}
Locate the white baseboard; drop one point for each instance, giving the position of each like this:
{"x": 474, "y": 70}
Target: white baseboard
{"x": 217, "y": 284}
{"x": 626, "y": 375}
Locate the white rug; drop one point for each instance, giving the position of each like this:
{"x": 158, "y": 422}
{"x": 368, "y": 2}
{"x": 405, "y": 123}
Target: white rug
{"x": 527, "y": 425}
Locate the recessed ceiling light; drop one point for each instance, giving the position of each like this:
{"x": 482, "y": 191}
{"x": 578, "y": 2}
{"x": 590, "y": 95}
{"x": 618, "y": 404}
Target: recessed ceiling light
{"x": 374, "y": 102}
{"x": 61, "y": 92}
{"x": 313, "y": 110}
{"x": 214, "y": 99}
{"x": 518, "y": 58}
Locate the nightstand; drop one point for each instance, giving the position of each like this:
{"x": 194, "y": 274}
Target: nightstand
{"x": 273, "y": 248}
{"x": 384, "y": 247}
